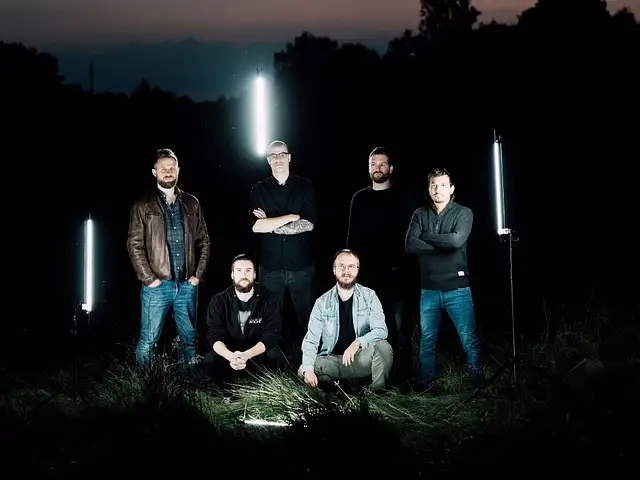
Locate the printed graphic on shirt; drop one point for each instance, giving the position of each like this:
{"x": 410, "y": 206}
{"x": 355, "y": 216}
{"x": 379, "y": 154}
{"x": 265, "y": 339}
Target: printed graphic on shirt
{"x": 243, "y": 316}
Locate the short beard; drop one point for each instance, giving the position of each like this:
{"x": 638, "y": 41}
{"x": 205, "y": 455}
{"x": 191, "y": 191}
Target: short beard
{"x": 167, "y": 185}
{"x": 349, "y": 285}
{"x": 243, "y": 288}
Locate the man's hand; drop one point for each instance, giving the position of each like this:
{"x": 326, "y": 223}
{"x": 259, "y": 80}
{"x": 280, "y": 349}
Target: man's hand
{"x": 155, "y": 283}
{"x": 350, "y": 353}
{"x": 239, "y": 360}
{"x": 310, "y": 378}
{"x": 259, "y": 213}
{"x": 194, "y": 281}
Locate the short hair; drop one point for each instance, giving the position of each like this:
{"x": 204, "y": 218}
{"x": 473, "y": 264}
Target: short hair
{"x": 345, "y": 250}
{"x": 165, "y": 153}
{"x": 242, "y": 256}
{"x": 439, "y": 172}
{"x": 380, "y": 150}
{"x": 278, "y": 143}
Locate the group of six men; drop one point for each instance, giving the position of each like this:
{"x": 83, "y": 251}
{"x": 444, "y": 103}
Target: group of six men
{"x": 348, "y": 331}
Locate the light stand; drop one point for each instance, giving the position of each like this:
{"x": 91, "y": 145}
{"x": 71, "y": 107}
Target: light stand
{"x": 84, "y": 308}
{"x": 87, "y": 306}
{"x": 502, "y": 230}
{"x": 507, "y": 234}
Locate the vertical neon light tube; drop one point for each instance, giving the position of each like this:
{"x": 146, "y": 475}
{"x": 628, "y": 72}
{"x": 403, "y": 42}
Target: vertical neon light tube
{"x": 87, "y": 306}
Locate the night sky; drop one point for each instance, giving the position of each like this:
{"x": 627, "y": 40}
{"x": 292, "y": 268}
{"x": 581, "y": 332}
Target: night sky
{"x": 202, "y": 38}
{"x": 43, "y": 22}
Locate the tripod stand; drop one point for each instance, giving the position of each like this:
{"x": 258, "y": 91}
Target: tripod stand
{"x": 77, "y": 310}
{"x": 511, "y": 366}
{"x": 74, "y": 346}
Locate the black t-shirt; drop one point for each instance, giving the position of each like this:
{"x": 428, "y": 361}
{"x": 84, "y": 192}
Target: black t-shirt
{"x": 244, "y": 312}
{"x": 347, "y": 333}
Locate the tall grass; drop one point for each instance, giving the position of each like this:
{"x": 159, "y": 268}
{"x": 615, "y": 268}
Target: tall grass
{"x": 158, "y": 421}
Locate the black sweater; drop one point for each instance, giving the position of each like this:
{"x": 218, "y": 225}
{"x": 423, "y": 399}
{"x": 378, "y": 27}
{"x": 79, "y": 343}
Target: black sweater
{"x": 440, "y": 242}
{"x": 378, "y": 222}
{"x": 264, "y": 324}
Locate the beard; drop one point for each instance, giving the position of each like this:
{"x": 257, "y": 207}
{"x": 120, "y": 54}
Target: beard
{"x": 168, "y": 183}
{"x": 383, "y": 177}
{"x": 347, "y": 282}
{"x": 244, "y": 285}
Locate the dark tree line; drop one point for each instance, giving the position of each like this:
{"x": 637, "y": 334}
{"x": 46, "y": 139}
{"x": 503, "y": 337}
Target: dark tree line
{"x": 560, "y": 85}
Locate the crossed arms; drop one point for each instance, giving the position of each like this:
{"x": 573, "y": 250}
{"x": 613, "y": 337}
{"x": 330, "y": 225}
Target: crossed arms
{"x": 288, "y": 224}
{"x": 419, "y": 241}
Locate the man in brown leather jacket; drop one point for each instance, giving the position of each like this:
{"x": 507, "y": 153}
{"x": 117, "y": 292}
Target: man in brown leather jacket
{"x": 168, "y": 245}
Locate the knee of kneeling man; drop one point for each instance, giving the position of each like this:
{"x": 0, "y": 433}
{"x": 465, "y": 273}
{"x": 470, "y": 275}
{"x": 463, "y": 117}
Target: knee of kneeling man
{"x": 383, "y": 347}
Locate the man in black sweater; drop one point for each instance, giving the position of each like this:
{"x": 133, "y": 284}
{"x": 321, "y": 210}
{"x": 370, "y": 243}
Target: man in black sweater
{"x": 438, "y": 235}
{"x": 378, "y": 219}
{"x": 243, "y": 324}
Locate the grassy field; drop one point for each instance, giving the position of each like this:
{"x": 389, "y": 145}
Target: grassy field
{"x": 574, "y": 411}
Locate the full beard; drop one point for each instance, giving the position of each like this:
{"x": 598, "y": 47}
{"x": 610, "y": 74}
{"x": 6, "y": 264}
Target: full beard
{"x": 383, "y": 177}
{"x": 347, "y": 283}
{"x": 244, "y": 287}
{"x": 168, "y": 184}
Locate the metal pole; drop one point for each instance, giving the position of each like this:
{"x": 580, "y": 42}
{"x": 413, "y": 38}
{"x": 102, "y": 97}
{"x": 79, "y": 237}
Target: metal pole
{"x": 513, "y": 315}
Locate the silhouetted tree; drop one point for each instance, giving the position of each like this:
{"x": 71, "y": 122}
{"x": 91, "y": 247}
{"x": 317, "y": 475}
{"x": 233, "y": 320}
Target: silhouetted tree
{"x": 442, "y": 20}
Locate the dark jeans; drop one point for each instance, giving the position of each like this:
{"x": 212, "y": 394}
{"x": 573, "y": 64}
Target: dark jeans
{"x": 458, "y": 304}
{"x": 300, "y": 284}
{"x": 155, "y": 304}
{"x": 391, "y": 288}
{"x": 219, "y": 369}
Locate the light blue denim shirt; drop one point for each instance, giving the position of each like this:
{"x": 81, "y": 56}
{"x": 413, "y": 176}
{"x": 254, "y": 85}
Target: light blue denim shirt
{"x": 324, "y": 324}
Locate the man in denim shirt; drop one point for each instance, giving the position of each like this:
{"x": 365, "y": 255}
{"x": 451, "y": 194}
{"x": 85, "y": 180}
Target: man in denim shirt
{"x": 346, "y": 337}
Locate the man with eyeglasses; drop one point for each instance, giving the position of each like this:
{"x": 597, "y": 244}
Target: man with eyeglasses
{"x": 168, "y": 244}
{"x": 346, "y": 336}
{"x": 283, "y": 213}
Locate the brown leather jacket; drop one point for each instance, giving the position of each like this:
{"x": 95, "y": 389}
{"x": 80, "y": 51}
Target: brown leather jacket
{"x": 147, "y": 243}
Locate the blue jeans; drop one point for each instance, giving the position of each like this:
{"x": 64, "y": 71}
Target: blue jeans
{"x": 155, "y": 304}
{"x": 458, "y": 304}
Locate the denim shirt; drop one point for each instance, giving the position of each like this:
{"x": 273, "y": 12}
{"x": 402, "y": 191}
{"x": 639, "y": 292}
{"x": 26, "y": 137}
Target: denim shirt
{"x": 324, "y": 324}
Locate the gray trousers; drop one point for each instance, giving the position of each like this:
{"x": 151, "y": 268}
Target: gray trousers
{"x": 374, "y": 361}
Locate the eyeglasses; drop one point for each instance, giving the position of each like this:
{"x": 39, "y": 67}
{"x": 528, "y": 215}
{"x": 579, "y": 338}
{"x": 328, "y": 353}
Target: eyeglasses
{"x": 351, "y": 267}
{"x": 277, "y": 156}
